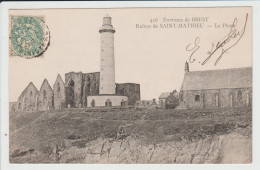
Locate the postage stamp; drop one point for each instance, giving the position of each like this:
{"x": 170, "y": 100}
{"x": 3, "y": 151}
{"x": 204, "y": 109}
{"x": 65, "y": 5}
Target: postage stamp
{"x": 29, "y": 36}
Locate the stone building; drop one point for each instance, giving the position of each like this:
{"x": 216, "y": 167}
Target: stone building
{"x": 163, "y": 97}
{"x": 131, "y": 90}
{"x": 27, "y": 100}
{"x": 169, "y": 100}
{"x": 146, "y": 103}
{"x": 216, "y": 88}
{"x": 45, "y": 98}
{"x": 95, "y": 89}
{"x": 59, "y": 93}
{"x": 107, "y": 100}
{"x": 80, "y": 85}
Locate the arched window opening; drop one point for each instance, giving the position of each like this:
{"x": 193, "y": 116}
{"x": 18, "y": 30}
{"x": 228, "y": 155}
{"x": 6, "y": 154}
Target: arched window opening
{"x": 88, "y": 78}
{"x": 108, "y": 103}
{"x": 89, "y": 85}
{"x": 70, "y": 94}
{"x": 31, "y": 97}
{"x": 58, "y": 87}
{"x": 122, "y": 103}
{"x": 71, "y": 84}
{"x": 44, "y": 96}
{"x": 93, "y": 103}
{"x": 239, "y": 95}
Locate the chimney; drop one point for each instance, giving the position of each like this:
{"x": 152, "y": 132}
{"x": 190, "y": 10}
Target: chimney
{"x": 187, "y": 67}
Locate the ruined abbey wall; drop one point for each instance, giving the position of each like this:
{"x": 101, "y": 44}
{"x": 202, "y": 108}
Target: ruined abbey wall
{"x": 78, "y": 86}
{"x": 59, "y": 93}
{"x": 90, "y": 86}
{"x": 27, "y": 100}
{"x": 45, "y": 97}
{"x": 73, "y": 89}
{"x": 73, "y": 93}
{"x": 131, "y": 90}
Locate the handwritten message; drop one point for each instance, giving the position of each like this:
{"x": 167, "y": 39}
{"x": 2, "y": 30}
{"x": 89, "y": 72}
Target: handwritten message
{"x": 218, "y": 48}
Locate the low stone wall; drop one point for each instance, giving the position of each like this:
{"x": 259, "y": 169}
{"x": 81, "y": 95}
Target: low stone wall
{"x": 101, "y": 100}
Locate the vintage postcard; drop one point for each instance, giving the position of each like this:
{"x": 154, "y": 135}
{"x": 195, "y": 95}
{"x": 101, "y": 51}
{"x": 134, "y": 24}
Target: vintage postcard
{"x": 130, "y": 85}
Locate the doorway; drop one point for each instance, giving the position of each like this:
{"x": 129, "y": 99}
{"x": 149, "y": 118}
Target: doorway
{"x": 108, "y": 103}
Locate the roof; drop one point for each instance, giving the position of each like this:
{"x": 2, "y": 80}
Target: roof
{"x": 165, "y": 95}
{"x": 58, "y": 79}
{"x": 218, "y": 79}
{"x": 107, "y": 95}
{"x": 128, "y": 83}
{"x": 92, "y": 73}
{"x": 48, "y": 85}
{"x": 24, "y": 91}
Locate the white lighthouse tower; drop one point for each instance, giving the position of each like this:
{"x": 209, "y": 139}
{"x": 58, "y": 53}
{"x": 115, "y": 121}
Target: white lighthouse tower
{"x": 107, "y": 88}
{"x": 107, "y": 62}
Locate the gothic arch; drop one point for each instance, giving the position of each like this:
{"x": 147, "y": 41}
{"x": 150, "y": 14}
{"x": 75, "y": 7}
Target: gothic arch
{"x": 58, "y": 87}
{"x": 71, "y": 83}
{"x": 44, "y": 95}
{"x": 88, "y": 78}
{"x": 85, "y": 94}
{"x": 70, "y": 93}
{"x": 31, "y": 101}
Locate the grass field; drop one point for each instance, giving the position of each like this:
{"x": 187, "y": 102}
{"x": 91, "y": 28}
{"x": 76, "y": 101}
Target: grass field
{"x": 43, "y": 132}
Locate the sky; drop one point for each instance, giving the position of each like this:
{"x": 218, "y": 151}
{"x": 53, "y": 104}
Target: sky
{"x": 151, "y": 57}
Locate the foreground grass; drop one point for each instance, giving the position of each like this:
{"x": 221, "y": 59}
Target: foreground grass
{"x": 42, "y": 131}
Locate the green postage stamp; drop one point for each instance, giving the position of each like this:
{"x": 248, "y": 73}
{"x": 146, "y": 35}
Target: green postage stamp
{"x": 29, "y": 36}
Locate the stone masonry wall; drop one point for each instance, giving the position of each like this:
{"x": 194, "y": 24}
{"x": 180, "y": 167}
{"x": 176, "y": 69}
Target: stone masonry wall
{"x": 45, "y": 97}
{"x": 73, "y": 93}
{"x": 208, "y": 99}
{"x": 27, "y": 101}
{"x": 59, "y": 93}
{"x": 131, "y": 90}
{"x": 90, "y": 86}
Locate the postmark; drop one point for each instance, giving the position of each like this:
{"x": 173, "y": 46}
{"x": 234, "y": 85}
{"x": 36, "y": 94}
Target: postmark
{"x": 29, "y": 36}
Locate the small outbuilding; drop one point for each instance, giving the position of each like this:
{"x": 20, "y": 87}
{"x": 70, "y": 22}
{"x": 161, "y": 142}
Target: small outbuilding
{"x": 169, "y": 100}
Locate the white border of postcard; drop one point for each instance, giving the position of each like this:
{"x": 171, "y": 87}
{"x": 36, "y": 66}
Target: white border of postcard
{"x": 5, "y": 165}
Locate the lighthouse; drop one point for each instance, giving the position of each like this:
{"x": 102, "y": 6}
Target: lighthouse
{"x": 107, "y": 61}
{"x": 107, "y": 87}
